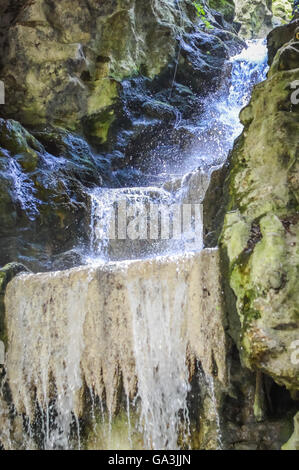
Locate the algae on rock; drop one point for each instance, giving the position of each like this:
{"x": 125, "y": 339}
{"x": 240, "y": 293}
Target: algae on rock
{"x": 226, "y": 7}
{"x": 282, "y": 10}
{"x": 261, "y": 228}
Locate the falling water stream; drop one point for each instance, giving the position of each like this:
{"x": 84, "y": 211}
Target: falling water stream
{"x": 218, "y": 127}
{"x": 159, "y": 348}
{"x": 156, "y": 303}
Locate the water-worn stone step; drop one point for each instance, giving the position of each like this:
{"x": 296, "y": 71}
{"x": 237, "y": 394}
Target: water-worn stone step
{"x": 138, "y": 323}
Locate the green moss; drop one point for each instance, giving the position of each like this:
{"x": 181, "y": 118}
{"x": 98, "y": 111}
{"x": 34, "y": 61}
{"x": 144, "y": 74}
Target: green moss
{"x": 282, "y": 9}
{"x": 15, "y": 139}
{"x": 235, "y": 234}
{"x": 98, "y": 125}
{"x": 7, "y": 273}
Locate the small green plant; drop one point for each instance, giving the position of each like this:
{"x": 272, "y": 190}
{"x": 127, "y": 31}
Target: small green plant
{"x": 201, "y": 13}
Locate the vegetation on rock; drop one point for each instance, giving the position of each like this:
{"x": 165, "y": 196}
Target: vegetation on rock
{"x": 261, "y": 226}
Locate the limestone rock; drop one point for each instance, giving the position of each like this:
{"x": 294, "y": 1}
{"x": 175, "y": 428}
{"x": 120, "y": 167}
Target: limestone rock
{"x": 261, "y": 227}
{"x": 256, "y": 18}
{"x": 114, "y": 307}
{"x": 7, "y": 273}
{"x": 282, "y": 10}
{"x": 279, "y": 37}
{"x": 62, "y": 61}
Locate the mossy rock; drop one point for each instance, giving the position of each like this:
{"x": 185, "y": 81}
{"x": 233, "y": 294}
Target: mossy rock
{"x": 279, "y": 37}
{"x": 66, "y": 69}
{"x": 282, "y": 10}
{"x": 7, "y": 273}
{"x": 106, "y": 435}
{"x": 255, "y": 17}
{"x": 261, "y": 228}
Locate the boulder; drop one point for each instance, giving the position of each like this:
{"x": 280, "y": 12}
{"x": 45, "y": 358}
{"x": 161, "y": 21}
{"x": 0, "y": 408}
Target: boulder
{"x": 280, "y": 36}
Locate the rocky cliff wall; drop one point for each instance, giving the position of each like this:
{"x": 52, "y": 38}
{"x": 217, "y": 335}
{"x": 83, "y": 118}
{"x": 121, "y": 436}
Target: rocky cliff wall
{"x": 260, "y": 234}
{"x": 63, "y": 62}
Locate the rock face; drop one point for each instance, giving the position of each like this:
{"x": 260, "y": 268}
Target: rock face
{"x": 293, "y": 443}
{"x": 279, "y": 37}
{"x": 63, "y": 62}
{"x": 282, "y": 10}
{"x": 226, "y": 7}
{"x": 258, "y": 17}
{"x": 261, "y": 228}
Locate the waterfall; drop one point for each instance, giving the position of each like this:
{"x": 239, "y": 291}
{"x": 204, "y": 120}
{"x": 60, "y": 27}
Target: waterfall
{"x": 23, "y": 189}
{"x": 219, "y": 124}
{"x": 218, "y": 127}
{"x": 152, "y": 316}
{"x": 144, "y": 309}
{"x": 160, "y": 348}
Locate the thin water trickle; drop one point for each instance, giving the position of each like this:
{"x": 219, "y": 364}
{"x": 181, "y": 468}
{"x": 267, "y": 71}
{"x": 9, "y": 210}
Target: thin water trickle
{"x": 211, "y": 386}
{"x": 23, "y": 189}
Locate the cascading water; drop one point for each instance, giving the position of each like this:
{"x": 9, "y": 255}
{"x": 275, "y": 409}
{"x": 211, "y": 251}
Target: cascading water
{"x": 218, "y": 128}
{"x": 146, "y": 315}
{"x": 144, "y": 222}
{"x": 160, "y": 353}
{"x": 220, "y": 124}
